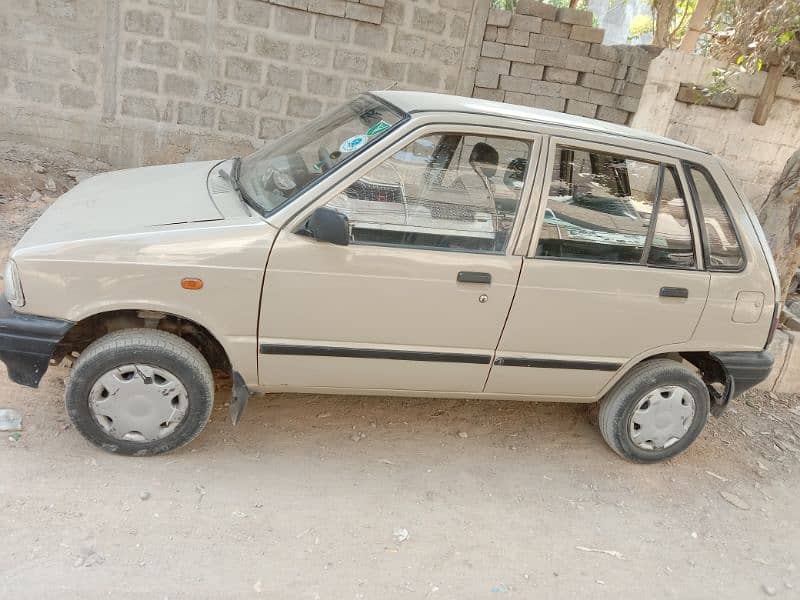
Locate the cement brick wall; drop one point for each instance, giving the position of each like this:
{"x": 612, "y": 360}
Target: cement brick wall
{"x": 152, "y": 81}
{"x": 756, "y": 154}
{"x": 552, "y": 58}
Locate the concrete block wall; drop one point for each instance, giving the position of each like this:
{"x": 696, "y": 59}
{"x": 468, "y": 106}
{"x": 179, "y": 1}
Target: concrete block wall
{"x": 756, "y": 154}
{"x": 153, "y": 81}
{"x": 553, "y": 58}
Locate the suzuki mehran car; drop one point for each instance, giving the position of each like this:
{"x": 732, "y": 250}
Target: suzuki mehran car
{"x": 406, "y": 244}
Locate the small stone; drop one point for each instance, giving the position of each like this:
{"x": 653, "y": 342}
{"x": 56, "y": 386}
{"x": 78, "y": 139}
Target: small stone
{"x": 357, "y": 436}
{"x": 79, "y": 175}
{"x": 89, "y": 557}
{"x": 735, "y": 500}
{"x": 144, "y": 495}
{"x": 400, "y": 535}
{"x": 14, "y": 437}
{"x": 50, "y": 186}
{"x": 10, "y": 420}
{"x": 35, "y": 196}
{"x": 694, "y": 535}
{"x": 769, "y": 590}
{"x": 463, "y": 434}
{"x": 37, "y": 168}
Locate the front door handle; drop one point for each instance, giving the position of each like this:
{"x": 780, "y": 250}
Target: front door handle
{"x": 474, "y": 277}
{"x": 674, "y": 292}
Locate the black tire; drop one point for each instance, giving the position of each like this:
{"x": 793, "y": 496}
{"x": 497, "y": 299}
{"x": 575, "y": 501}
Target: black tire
{"x": 149, "y": 347}
{"x": 618, "y": 406}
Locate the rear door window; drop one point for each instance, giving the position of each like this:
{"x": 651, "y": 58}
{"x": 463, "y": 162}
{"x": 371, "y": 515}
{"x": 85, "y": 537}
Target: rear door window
{"x": 604, "y": 207}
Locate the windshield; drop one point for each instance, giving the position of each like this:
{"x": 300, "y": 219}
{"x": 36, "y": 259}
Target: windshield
{"x": 284, "y": 167}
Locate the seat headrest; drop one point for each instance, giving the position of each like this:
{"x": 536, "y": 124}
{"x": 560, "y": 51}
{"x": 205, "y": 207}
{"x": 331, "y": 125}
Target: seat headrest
{"x": 484, "y": 159}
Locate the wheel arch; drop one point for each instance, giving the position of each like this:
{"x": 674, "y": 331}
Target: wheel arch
{"x": 94, "y": 326}
{"x": 709, "y": 367}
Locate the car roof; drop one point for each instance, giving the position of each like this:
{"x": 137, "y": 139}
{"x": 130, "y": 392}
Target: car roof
{"x": 412, "y": 102}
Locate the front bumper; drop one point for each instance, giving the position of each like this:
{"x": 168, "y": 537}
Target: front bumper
{"x": 27, "y": 343}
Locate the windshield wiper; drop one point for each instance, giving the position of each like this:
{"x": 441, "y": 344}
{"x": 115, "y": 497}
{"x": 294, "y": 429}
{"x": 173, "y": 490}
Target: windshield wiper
{"x": 232, "y": 177}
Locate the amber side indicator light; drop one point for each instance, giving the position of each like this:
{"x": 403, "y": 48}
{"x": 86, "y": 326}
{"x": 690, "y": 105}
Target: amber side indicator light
{"x": 191, "y": 283}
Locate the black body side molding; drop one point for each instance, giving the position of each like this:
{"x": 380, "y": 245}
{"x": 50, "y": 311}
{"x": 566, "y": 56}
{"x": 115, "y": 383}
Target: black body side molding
{"x": 453, "y": 357}
{"x": 546, "y": 363}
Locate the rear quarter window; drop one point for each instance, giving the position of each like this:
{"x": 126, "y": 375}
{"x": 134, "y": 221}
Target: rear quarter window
{"x": 723, "y": 247}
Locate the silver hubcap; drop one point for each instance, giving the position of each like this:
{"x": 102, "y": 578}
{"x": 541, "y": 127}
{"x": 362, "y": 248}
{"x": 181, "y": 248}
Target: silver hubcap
{"x": 662, "y": 417}
{"x": 138, "y": 403}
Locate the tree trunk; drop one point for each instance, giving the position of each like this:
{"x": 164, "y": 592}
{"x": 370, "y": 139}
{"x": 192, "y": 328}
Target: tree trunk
{"x": 665, "y": 11}
{"x": 696, "y": 25}
{"x": 767, "y": 97}
{"x": 780, "y": 217}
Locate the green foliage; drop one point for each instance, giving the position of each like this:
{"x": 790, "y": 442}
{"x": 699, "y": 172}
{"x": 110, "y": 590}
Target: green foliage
{"x": 756, "y": 34}
{"x": 641, "y": 25}
{"x": 721, "y": 83}
{"x": 674, "y": 14}
{"x": 504, "y": 4}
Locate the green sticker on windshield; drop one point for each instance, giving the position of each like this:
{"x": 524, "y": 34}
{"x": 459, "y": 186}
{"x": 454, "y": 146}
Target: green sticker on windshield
{"x": 379, "y": 127}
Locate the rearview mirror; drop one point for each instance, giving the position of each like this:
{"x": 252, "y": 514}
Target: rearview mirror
{"x": 328, "y": 225}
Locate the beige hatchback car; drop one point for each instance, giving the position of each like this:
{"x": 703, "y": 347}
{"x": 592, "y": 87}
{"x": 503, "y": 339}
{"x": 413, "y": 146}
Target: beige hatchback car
{"x": 405, "y": 244}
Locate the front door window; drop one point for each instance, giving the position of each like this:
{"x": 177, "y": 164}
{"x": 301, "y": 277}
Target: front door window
{"x": 448, "y": 191}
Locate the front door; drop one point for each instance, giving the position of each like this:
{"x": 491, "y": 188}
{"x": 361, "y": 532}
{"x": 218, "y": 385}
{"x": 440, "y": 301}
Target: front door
{"x": 613, "y": 275}
{"x": 418, "y": 299}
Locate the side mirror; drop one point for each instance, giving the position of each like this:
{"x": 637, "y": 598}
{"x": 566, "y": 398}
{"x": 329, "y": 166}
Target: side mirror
{"x": 328, "y": 225}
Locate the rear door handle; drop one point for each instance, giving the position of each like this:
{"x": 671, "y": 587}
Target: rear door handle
{"x": 474, "y": 277}
{"x": 674, "y": 292}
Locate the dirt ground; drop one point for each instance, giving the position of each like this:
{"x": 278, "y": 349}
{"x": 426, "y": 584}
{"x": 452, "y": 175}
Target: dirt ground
{"x": 296, "y": 503}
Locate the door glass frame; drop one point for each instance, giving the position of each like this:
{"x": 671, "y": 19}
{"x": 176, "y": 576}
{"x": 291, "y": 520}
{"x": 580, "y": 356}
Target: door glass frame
{"x": 306, "y": 206}
{"x": 636, "y": 154}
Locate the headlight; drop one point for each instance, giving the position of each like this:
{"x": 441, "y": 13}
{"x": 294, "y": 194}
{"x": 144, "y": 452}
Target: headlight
{"x": 12, "y": 285}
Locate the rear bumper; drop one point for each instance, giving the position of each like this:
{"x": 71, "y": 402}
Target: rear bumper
{"x": 27, "y": 343}
{"x": 743, "y": 369}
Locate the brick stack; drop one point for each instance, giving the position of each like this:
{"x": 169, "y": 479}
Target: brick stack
{"x": 553, "y": 58}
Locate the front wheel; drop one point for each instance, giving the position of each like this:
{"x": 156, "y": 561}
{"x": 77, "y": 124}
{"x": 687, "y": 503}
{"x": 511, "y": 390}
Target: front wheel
{"x": 140, "y": 392}
{"x": 654, "y": 412}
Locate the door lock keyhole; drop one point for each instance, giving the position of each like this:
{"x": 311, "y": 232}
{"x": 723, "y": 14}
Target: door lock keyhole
{"x": 483, "y": 298}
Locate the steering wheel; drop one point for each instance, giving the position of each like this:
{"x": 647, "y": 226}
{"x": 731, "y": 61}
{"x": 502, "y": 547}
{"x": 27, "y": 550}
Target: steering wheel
{"x": 325, "y": 159}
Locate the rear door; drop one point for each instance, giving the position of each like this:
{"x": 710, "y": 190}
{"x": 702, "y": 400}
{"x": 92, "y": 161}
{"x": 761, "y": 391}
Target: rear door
{"x": 417, "y": 301}
{"x": 613, "y": 272}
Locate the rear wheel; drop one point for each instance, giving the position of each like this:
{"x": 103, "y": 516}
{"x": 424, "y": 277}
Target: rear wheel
{"x": 140, "y": 392}
{"x": 655, "y": 411}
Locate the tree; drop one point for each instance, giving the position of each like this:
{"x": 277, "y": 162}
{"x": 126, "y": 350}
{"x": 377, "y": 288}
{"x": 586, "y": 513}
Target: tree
{"x": 780, "y": 216}
{"x": 702, "y": 11}
{"x": 762, "y": 35}
{"x": 667, "y": 23}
